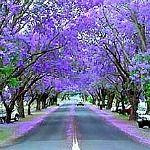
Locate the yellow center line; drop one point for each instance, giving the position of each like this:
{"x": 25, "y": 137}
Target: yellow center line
{"x": 75, "y": 145}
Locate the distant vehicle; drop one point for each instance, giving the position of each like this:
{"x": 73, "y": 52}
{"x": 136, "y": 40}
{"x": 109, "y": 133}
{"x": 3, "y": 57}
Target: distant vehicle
{"x": 120, "y": 110}
{"x": 2, "y": 116}
{"x": 14, "y": 114}
{"x": 128, "y": 109}
{"x": 114, "y": 108}
{"x": 80, "y": 104}
{"x": 143, "y": 117}
{"x": 142, "y": 108}
{"x": 144, "y": 120}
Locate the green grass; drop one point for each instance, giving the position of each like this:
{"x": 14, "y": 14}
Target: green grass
{"x": 30, "y": 117}
{"x": 4, "y": 134}
{"x": 122, "y": 117}
{"x": 89, "y": 99}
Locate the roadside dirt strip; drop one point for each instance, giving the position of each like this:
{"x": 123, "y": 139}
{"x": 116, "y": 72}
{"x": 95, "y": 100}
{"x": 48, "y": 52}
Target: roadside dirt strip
{"x": 139, "y": 135}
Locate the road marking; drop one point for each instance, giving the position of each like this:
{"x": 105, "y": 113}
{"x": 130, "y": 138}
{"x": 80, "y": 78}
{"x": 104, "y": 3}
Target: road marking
{"x": 75, "y": 145}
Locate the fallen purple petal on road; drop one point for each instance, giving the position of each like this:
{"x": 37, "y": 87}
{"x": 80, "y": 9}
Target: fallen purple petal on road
{"x": 127, "y": 128}
{"x": 25, "y": 127}
{"x": 69, "y": 125}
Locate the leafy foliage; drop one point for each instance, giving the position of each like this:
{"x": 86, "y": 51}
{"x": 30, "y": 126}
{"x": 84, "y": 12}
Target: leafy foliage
{"x": 147, "y": 91}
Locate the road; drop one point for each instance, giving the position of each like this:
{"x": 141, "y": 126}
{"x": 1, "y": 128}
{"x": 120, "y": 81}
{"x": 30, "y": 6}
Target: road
{"x": 89, "y": 131}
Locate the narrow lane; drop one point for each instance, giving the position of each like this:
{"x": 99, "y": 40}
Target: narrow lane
{"x": 50, "y": 135}
{"x": 89, "y": 132}
{"x": 95, "y": 134}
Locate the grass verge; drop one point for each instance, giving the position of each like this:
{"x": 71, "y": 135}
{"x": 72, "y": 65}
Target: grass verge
{"x": 4, "y": 134}
{"x": 30, "y": 117}
{"x": 121, "y": 117}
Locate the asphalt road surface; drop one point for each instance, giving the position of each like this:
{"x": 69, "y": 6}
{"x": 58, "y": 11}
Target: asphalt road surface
{"x": 91, "y": 132}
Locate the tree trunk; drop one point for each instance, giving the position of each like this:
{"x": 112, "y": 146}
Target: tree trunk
{"x": 103, "y": 94}
{"x": 49, "y": 101}
{"x": 20, "y": 103}
{"x": 38, "y": 104}
{"x": 29, "y": 109}
{"x": 20, "y": 108}
{"x": 99, "y": 104}
{"x": 117, "y": 105}
{"x": 55, "y": 98}
{"x": 148, "y": 107}
{"x": 8, "y": 108}
{"x": 132, "y": 95}
{"x": 44, "y": 97}
{"x": 132, "y": 115}
{"x": 44, "y": 104}
{"x": 111, "y": 96}
{"x": 123, "y": 101}
{"x": 8, "y": 115}
{"x": 123, "y": 106}
{"x": 63, "y": 97}
{"x": 94, "y": 100}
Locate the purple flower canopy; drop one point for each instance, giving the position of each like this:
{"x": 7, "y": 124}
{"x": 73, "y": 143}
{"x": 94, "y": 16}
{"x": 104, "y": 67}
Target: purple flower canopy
{"x": 73, "y": 44}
